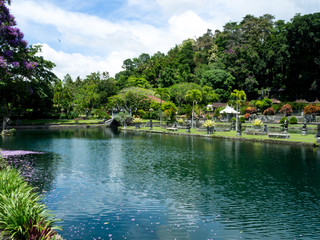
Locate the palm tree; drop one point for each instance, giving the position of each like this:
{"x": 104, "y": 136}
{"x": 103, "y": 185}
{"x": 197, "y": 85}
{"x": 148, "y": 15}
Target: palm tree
{"x": 163, "y": 93}
{"x": 194, "y": 95}
{"x": 237, "y": 97}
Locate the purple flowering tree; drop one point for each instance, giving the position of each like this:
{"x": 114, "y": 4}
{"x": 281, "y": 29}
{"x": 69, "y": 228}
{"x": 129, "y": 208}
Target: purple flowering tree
{"x": 20, "y": 72}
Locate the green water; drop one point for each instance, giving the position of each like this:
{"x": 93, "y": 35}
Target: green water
{"x": 126, "y": 185}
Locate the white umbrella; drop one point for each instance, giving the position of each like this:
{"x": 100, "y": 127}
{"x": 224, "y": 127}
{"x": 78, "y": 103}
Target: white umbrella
{"x": 229, "y": 110}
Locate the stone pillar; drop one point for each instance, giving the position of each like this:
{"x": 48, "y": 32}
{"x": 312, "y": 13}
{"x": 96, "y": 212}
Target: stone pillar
{"x": 265, "y": 128}
{"x": 285, "y": 125}
{"x": 304, "y": 128}
{"x": 233, "y": 125}
{"x": 150, "y": 124}
{"x": 188, "y": 127}
{"x": 318, "y": 134}
{"x": 239, "y": 132}
{"x": 197, "y": 123}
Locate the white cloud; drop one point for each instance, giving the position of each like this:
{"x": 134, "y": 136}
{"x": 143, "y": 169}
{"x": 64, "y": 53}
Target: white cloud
{"x": 187, "y": 25}
{"x": 77, "y": 64}
{"x": 109, "y": 43}
{"x": 90, "y": 43}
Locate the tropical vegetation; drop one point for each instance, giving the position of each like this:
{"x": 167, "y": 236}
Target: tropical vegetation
{"x": 246, "y": 64}
{"x": 22, "y": 215}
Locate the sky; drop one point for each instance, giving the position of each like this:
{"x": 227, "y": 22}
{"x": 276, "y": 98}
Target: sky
{"x": 85, "y": 36}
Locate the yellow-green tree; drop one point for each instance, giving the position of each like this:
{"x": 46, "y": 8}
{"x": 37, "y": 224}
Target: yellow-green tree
{"x": 162, "y": 93}
{"x": 193, "y": 95}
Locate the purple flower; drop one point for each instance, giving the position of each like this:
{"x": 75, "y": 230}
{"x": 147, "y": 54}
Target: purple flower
{"x": 9, "y": 53}
{"x": 24, "y": 43}
{"x": 3, "y": 62}
{"x": 15, "y": 64}
{"x": 30, "y": 65}
{"x": 7, "y": 153}
{"x": 30, "y": 90}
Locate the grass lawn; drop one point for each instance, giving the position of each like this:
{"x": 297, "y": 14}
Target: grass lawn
{"x": 294, "y": 137}
{"x": 59, "y": 121}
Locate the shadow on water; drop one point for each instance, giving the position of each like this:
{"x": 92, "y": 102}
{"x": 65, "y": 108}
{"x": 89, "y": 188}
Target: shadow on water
{"x": 131, "y": 185}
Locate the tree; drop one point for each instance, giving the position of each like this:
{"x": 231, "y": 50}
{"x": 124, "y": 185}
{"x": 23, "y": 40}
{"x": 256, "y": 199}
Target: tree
{"x": 220, "y": 80}
{"x": 303, "y": 36}
{"x": 169, "y": 109}
{"x": 138, "y": 82}
{"x": 178, "y": 91}
{"x": 193, "y": 95}
{"x": 237, "y": 98}
{"x": 15, "y": 61}
{"x": 209, "y": 95}
{"x": 163, "y": 93}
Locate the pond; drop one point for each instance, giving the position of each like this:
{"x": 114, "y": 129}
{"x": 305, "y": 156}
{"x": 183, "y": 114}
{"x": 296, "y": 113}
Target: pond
{"x": 105, "y": 184}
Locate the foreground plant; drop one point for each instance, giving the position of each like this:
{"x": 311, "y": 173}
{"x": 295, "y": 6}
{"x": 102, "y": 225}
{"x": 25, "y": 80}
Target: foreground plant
{"x": 22, "y": 215}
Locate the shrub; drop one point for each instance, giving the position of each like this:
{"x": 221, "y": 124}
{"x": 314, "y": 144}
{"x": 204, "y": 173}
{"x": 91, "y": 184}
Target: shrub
{"x": 293, "y": 120}
{"x": 233, "y": 119}
{"x": 20, "y": 205}
{"x": 252, "y": 103}
{"x": 207, "y": 116}
{"x": 311, "y": 109}
{"x": 269, "y": 111}
{"x": 142, "y": 113}
{"x": 283, "y": 119}
{"x": 169, "y": 110}
{"x": 243, "y": 110}
{"x": 242, "y": 120}
{"x": 181, "y": 121}
{"x": 217, "y": 111}
{"x": 63, "y": 115}
{"x": 286, "y": 109}
{"x": 247, "y": 115}
{"x": 3, "y": 164}
{"x": 298, "y": 107}
{"x": 251, "y": 110}
{"x": 266, "y": 103}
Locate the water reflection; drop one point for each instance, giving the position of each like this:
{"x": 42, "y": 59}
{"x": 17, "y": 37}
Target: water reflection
{"x": 125, "y": 185}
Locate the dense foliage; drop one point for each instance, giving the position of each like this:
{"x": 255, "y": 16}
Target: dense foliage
{"x": 256, "y": 58}
{"x": 22, "y": 215}
{"x": 25, "y": 79}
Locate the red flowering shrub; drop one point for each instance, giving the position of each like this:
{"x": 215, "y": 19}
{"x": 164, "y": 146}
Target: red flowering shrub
{"x": 246, "y": 116}
{"x": 269, "y": 111}
{"x": 310, "y": 109}
{"x": 286, "y": 109}
{"x": 251, "y": 110}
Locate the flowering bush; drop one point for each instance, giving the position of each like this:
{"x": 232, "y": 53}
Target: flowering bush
{"x": 286, "y": 109}
{"x": 209, "y": 123}
{"x": 251, "y": 110}
{"x": 13, "y": 49}
{"x": 247, "y": 115}
{"x": 269, "y": 111}
{"x": 310, "y": 109}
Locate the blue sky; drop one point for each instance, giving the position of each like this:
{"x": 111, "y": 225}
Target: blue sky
{"x": 84, "y": 36}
